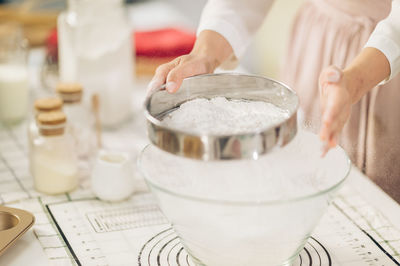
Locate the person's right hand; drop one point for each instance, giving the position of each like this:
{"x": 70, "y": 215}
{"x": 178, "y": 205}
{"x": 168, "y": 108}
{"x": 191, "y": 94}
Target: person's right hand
{"x": 209, "y": 51}
{"x": 172, "y": 74}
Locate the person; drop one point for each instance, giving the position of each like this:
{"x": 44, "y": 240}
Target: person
{"x": 324, "y": 33}
{"x": 351, "y": 96}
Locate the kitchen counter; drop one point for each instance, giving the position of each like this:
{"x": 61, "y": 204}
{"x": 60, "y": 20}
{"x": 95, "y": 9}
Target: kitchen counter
{"x": 45, "y": 244}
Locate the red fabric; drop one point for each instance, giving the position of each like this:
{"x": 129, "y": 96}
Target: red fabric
{"x": 168, "y": 42}
{"x": 52, "y": 46}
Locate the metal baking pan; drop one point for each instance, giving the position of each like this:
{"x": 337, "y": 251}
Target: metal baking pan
{"x": 13, "y": 224}
{"x": 214, "y": 147}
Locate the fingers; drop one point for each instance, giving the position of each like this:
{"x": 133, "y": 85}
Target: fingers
{"x": 160, "y": 75}
{"x": 329, "y": 138}
{"x": 330, "y": 118}
{"x": 331, "y": 102}
{"x": 331, "y": 74}
{"x": 329, "y": 132}
{"x": 185, "y": 69}
{"x": 328, "y": 76}
{"x": 173, "y": 73}
{"x": 333, "y": 119}
{"x": 327, "y": 146}
{"x": 329, "y": 113}
{"x": 175, "y": 78}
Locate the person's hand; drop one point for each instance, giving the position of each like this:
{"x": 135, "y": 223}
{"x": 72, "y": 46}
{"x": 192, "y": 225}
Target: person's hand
{"x": 336, "y": 103}
{"x": 339, "y": 90}
{"x": 172, "y": 74}
{"x": 209, "y": 51}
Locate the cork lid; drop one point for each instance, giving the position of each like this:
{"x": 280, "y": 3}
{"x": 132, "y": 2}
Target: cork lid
{"x": 51, "y": 123}
{"x": 51, "y": 118}
{"x": 70, "y": 92}
{"x": 48, "y": 104}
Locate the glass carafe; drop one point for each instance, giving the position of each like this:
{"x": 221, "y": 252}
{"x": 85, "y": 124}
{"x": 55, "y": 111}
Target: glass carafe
{"x": 14, "y": 86}
{"x": 95, "y": 49}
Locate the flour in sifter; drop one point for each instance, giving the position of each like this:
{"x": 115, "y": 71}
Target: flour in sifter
{"x": 220, "y": 116}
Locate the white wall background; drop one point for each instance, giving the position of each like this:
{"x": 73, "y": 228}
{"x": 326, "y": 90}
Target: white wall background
{"x": 272, "y": 40}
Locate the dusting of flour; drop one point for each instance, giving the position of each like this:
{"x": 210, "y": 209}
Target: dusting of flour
{"x": 220, "y": 116}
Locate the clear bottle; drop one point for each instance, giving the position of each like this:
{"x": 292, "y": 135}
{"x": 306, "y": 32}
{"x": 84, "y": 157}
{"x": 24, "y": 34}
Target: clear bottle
{"x": 14, "y": 85}
{"x": 95, "y": 49}
{"x": 54, "y": 161}
{"x": 41, "y": 105}
{"x": 81, "y": 120}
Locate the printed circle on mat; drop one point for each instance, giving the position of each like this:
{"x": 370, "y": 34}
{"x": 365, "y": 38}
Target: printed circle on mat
{"x": 165, "y": 248}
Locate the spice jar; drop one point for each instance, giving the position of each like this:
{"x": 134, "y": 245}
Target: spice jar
{"x": 54, "y": 161}
{"x": 40, "y": 106}
{"x": 81, "y": 119}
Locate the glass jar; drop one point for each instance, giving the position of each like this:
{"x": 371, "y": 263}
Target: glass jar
{"x": 14, "y": 87}
{"x": 54, "y": 161}
{"x": 95, "y": 49}
{"x": 81, "y": 120}
{"x": 41, "y": 105}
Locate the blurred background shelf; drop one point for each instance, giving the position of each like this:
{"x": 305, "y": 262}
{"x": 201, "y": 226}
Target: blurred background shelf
{"x": 264, "y": 56}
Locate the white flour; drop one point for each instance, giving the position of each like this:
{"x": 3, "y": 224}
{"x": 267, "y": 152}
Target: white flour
{"x": 293, "y": 171}
{"x": 221, "y": 116}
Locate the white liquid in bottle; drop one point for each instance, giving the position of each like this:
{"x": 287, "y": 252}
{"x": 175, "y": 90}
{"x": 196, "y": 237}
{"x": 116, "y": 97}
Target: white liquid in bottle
{"x": 54, "y": 174}
{"x": 13, "y": 92}
{"x": 54, "y": 160}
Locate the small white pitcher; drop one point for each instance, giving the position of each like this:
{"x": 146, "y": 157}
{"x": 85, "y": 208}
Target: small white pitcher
{"x": 112, "y": 176}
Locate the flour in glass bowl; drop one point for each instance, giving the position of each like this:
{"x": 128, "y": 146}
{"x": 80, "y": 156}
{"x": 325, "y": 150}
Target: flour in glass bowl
{"x": 220, "y": 116}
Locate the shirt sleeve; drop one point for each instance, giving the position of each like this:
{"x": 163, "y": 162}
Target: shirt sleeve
{"x": 236, "y": 21}
{"x": 386, "y": 38}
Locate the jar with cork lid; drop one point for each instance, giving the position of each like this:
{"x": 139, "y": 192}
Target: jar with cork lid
{"x": 81, "y": 119}
{"x": 54, "y": 160}
{"x": 42, "y": 105}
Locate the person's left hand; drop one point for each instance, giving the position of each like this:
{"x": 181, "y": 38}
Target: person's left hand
{"x": 336, "y": 102}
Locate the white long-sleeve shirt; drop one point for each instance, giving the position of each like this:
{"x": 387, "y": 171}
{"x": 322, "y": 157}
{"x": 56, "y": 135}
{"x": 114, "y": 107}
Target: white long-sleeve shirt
{"x": 238, "y": 20}
{"x": 386, "y": 38}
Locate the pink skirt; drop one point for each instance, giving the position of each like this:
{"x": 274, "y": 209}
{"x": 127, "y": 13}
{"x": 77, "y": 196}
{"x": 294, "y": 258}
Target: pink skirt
{"x": 330, "y": 32}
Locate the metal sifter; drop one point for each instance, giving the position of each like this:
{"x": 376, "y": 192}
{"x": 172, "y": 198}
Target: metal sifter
{"x": 205, "y": 147}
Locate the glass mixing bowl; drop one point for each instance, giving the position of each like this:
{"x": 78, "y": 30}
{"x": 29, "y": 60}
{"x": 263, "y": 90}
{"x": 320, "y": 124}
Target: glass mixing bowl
{"x": 246, "y": 212}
